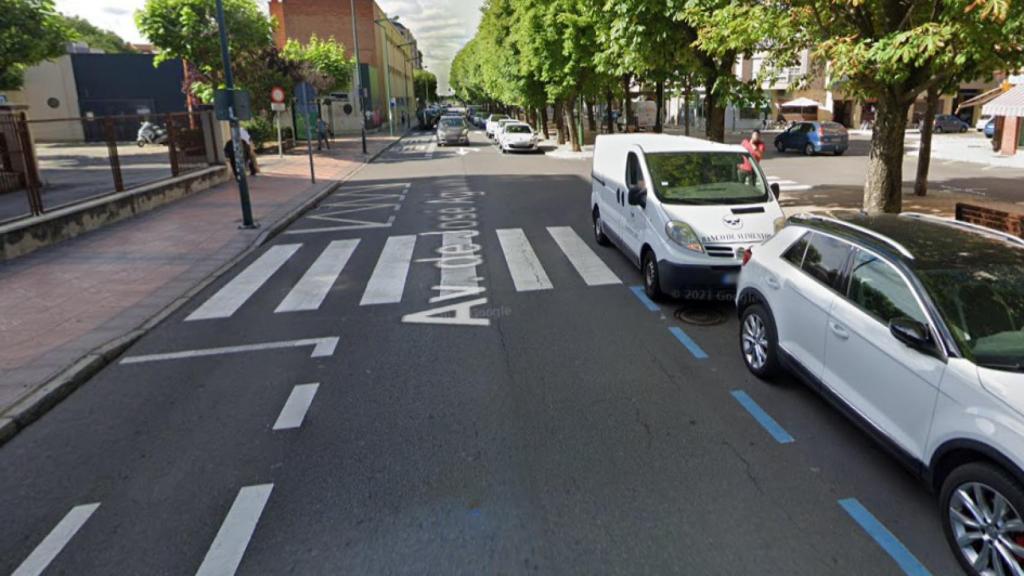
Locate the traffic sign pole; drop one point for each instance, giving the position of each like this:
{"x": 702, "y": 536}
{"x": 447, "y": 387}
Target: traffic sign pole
{"x": 236, "y": 135}
{"x": 309, "y": 133}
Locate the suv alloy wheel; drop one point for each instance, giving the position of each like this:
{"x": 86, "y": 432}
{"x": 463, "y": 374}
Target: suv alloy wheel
{"x": 759, "y": 341}
{"x": 981, "y": 515}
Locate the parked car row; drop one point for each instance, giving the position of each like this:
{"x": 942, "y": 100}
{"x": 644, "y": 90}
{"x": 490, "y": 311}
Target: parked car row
{"x": 511, "y": 135}
{"x": 911, "y": 325}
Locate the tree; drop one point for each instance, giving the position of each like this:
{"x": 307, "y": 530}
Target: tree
{"x": 893, "y": 50}
{"x": 425, "y": 86}
{"x": 83, "y": 31}
{"x": 31, "y": 31}
{"x": 640, "y": 37}
{"x": 187, "y": 29}
{"x": 719, "y": 31}
{"x": 322, "y": 63}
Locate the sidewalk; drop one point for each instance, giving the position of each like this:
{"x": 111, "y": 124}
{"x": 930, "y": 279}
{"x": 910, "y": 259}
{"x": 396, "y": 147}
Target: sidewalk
{"x": 67, "y": 310}
{"x": 971, "y": 146}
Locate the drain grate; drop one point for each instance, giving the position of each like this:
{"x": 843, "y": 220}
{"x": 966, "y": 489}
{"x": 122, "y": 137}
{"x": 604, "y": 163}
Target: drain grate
{"x": 702, "y": 314}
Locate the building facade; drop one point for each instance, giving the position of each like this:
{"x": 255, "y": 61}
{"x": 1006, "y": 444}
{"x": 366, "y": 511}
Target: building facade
{"x": 387, "y": 57}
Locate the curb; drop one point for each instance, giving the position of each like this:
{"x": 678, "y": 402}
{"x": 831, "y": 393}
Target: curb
{"x": 31, "y": 407}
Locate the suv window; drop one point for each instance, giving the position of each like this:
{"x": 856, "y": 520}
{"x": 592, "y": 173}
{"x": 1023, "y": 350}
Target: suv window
{"x": 878, "y": 289}
{"x": 825, "y": 258}
{"x": 795, "y": 253}
{"x": 634, "y": 177}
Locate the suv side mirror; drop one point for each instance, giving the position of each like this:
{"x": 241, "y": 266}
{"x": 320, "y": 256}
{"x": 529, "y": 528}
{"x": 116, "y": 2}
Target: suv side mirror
{"x": 637, "y": 196}
{"x": 912, "y": 333}
{"x": 775, "y": 189}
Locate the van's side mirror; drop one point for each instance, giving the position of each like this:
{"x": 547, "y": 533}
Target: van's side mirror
{"x": 637, "y": 196}
{"x": 912, "y": 333}
{"x": 775, "y": 189}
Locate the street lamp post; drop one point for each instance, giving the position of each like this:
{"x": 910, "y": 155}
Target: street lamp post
{"x": 236, "y": 136}
{"x": 358, "y": 82}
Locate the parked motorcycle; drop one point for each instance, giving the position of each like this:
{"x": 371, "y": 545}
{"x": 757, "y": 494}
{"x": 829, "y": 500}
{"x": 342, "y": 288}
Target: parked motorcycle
{"x": 150, "y": 133}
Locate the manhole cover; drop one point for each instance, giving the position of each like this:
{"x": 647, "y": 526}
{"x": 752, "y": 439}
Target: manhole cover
{"x": 708, "y": 315}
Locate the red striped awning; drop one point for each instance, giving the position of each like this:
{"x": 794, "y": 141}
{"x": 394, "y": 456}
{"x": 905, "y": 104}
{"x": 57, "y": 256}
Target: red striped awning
{"x": 1009, "y": 103}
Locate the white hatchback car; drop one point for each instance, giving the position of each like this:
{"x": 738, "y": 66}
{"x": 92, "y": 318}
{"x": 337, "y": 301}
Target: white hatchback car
{"x": 913, "y": 326}
{"x": 517, "y": 136}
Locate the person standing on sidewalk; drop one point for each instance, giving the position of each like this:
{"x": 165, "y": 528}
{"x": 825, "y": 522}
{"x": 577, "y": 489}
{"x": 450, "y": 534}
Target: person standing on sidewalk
{"x": 250, "y": 153}
{"x": 754, "y": 145}
{"x": 321, "y": 135}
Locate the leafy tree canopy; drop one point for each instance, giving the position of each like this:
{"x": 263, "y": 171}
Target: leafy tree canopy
{"x": 322, "y": 63}
{"x": 31, "y": 31}
{"x": 83, "y": 31}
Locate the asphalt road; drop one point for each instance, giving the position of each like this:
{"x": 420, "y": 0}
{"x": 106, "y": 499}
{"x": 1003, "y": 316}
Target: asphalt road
{"x": 549, "y": 422}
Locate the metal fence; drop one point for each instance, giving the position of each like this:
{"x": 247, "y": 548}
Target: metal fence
{"x": 50, "y": 164}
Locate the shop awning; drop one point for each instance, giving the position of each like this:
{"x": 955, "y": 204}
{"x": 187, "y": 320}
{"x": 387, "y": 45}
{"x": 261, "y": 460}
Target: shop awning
{"x": 1009, "y": 103}
{"x": 801, "y": 103}
{"x": 982, "y": 98}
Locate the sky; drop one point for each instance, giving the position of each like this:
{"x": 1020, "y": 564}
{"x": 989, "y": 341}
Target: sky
{"x": 441, "y": 26}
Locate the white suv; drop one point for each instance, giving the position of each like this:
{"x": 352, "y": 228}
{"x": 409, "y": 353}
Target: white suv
{"x": 914, "y": 327}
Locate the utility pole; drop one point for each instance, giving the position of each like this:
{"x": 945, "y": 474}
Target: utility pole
{"x": 359, "y": 81}
{"x": 236, "y": 135}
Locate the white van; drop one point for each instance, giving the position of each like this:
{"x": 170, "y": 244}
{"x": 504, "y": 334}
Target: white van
{"x": 684, "y": 210}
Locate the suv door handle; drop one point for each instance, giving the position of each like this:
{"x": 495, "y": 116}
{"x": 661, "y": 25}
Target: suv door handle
{"x": 772, "y": 282}
{"x": 618, "y": 196}
{"x": 838, "y": 330}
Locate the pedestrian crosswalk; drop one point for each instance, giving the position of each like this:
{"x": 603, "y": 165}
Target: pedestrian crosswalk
{"x": 387, "y": 281}
{"x": 788, "y": 185}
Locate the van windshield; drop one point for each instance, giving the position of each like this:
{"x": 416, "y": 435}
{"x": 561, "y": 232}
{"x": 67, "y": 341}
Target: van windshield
{"x": 706, "y": 178}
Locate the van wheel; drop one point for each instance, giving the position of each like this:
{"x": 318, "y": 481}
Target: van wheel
{"x": 839, "y": 151}
{"x": 652, "y": 281}
{"x": 809, "y": 149}
{"x": 759, "y": 342}
{"x": 981, "y": 509}
{"x": 780, "y": 147}
{"x": 599, "y": 235}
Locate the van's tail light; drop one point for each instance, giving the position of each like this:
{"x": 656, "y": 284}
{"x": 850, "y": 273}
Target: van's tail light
{"x": 821, "y": 131}
{"x": 746, "y": 256}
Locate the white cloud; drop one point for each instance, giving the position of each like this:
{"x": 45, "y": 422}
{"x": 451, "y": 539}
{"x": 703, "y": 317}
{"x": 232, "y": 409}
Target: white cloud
{"x": 117, "y": 16}
{"x": 441, "y": 27}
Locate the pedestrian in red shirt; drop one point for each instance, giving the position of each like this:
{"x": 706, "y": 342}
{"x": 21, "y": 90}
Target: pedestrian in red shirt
{"x": 755, "y": 146}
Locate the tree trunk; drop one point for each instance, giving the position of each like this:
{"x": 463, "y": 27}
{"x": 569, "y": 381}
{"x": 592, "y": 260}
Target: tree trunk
{"x": 570, "y": 120}
{"x": 560, "y": 123}
{"x": 925, "y": 153}
{"x": 591, "y": 123}
{"x": 544, "y": 120}
{"x": 714, "y": 118}
{"x": 659, "y": 98}
{"x": 686, "y": 108}
{"x": 627, "y": 108}
{"x": 609, "y": 118}
{"x": 883, "y": 189}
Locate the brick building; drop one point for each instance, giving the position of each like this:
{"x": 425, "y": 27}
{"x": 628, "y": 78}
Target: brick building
{"x": 383, "y": 44}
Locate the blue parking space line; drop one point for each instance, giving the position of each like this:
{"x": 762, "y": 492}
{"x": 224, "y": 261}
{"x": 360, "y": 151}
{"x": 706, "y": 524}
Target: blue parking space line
{"x": 638, "y": 291}
{"x": 906, "y": 560}
{"x": 762, "y": 417}
{"x": 692, "y": 346}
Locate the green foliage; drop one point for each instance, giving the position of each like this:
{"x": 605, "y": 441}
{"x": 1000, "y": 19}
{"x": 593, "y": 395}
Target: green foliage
{"x": 83, "y": 31}
{"x": 424, "y": 82}
{"x": 30, "y": 32}
{"x": 187, "y": 29}
{"x": 322, "y": 63}
{"x": 261, "y": 130}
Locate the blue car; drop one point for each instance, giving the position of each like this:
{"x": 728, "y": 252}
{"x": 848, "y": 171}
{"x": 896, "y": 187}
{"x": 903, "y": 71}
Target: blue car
{"x": 814, "y": 138}
{"x": 990, "y": 128}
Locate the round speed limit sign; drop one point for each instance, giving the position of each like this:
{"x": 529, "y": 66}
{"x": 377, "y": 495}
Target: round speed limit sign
{"x": 277, "y": 94}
